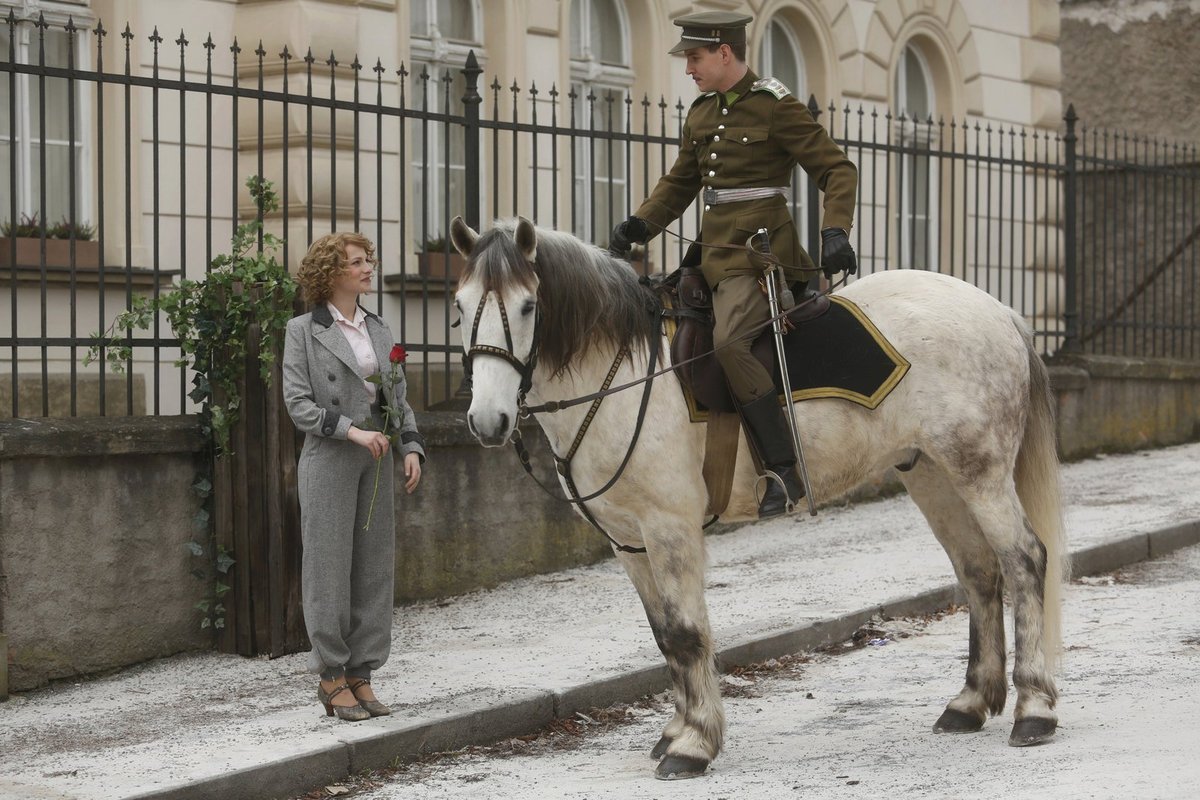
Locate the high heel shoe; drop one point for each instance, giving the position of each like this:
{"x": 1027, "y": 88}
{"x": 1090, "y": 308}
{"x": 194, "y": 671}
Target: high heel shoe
{"x": 354, "y": 713}
{"x": 373, "y": 707}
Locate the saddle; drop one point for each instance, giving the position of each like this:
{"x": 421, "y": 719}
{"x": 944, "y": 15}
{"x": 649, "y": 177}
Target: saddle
{"x": 833, "y": 349}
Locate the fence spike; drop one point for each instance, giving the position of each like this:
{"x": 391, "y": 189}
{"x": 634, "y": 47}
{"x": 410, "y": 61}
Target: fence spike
{"x": 182, "y": 40}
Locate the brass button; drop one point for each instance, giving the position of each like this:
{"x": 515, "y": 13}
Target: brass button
{"x": 716, "y": 137}
{"x": 706, "y": 208}
{"x": 712, "y": 155}
{"x": 711, "y": 172}
{"x": 724, "y": 110}
{"x": 745, "y": 139}
{"x": 721, "y": 127}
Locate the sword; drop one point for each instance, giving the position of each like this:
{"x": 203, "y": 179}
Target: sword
{"x": 778, "y": 302}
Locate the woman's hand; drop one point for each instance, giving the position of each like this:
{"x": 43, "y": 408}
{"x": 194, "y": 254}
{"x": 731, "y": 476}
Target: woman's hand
{"x": 374, "y": 441}
{"x": 412, "y": 472}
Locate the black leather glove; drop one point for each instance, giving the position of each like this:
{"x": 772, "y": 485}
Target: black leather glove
{"x": 632, "y": 231}
{"x": 836, "y": 253}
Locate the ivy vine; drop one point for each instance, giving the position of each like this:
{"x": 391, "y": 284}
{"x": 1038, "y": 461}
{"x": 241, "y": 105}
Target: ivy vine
{"x": 213, "y": 319}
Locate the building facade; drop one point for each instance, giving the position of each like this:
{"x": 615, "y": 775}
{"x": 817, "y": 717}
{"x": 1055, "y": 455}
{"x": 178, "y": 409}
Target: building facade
{"x": 157, "y": 166}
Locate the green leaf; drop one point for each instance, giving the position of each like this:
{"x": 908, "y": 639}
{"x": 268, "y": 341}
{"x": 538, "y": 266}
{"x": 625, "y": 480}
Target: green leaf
{"x": 204, "y": 623}
{"x": 202, "y": 486}
{"x": 221, "y": 589}
{"x": 196, "y": 548}
{"x": 203, "y": 606}
{"x": 224, "y": 562}
{"x": 200, "y": 519}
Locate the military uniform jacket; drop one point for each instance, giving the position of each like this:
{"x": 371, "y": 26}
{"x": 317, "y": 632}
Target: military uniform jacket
{"x": 753, "y": 142}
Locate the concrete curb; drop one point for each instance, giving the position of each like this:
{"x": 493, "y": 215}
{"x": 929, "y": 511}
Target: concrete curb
{"x": 287, "y": 777}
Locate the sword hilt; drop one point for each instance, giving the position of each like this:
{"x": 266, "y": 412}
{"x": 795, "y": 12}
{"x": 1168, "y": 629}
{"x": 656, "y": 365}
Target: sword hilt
{"x": 761, "y": 241}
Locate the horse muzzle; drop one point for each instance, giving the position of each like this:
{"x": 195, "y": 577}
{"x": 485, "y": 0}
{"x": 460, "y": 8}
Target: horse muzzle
{"x": 492, "y": 430}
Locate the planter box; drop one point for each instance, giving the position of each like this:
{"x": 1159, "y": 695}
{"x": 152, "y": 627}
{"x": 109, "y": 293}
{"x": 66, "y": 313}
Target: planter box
{"x": 436, "y": 266}
{"x": 58, "y": 253}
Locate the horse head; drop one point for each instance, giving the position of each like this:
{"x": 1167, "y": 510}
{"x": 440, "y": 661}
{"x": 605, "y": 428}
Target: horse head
{"x": 497, "y": 299}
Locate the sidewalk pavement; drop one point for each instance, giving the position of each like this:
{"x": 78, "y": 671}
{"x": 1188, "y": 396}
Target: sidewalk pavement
{"x": 494, "y": 664}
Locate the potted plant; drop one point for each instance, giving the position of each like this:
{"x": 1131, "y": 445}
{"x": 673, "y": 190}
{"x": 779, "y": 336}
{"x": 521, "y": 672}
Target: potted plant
{"x": 21, "y": 244}
{"x": 438, "y": 259}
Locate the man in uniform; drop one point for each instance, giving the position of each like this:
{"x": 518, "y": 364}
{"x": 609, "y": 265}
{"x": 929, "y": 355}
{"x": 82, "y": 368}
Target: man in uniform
{"x": 741, "y": 139}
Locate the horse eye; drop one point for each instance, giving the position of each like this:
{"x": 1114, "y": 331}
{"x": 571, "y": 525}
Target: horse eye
{"x": 527, "y": 309}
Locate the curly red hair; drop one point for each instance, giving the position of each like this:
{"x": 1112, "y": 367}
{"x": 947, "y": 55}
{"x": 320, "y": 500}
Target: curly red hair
{"x": 325, "y": 260}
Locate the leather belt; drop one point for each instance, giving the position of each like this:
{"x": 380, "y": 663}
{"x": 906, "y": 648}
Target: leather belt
{"x": 714, "y": 197}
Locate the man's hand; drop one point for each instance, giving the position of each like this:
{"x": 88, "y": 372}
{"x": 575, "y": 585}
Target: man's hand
{"x": 628, "y": 233}
{"x": 836, "y": 253}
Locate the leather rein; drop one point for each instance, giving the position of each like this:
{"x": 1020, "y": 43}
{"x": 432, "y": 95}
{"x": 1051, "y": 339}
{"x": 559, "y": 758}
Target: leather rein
{"x": 526, "y": 369}
{"x": 562, "y": 463}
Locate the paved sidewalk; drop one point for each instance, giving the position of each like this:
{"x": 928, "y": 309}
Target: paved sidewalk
{"x": 494, "y": 664}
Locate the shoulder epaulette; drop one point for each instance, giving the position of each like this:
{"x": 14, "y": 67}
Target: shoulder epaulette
{"x": 772, "y": 85}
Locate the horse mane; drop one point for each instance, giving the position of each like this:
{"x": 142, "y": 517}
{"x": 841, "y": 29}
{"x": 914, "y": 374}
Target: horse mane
{"x": 586, "y": 297}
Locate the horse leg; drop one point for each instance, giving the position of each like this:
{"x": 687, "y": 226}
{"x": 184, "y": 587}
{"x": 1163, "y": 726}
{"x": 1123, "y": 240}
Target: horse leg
{"x": 677, "y": 564}
{"x": 1023, "y": 559}
{"x": 979, "y": 573}
{"x": 637, "y": 567}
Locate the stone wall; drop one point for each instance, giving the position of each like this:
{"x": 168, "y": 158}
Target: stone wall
{"x": 1130, "y": 65}
{"x": 95, "y": 514}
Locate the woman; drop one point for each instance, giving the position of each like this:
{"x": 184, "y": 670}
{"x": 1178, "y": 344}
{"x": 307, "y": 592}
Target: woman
{"x": 345, "y": 471}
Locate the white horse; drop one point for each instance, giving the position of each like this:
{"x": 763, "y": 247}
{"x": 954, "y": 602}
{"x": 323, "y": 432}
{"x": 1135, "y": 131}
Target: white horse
{"x": 975, "y": 407}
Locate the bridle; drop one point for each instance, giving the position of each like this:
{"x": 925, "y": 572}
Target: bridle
{"x": 525, "y": 369}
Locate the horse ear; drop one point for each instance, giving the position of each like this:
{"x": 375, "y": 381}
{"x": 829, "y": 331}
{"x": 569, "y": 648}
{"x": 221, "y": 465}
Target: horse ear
{"x": 526, "y": 239}
{"x": 462, "y": 236}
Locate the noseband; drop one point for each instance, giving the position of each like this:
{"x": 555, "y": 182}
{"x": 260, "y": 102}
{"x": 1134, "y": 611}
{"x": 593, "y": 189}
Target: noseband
{"x": 524, "y": 369}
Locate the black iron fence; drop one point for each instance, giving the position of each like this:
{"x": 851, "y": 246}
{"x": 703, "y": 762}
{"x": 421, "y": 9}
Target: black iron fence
{"x": 136, "y": 155}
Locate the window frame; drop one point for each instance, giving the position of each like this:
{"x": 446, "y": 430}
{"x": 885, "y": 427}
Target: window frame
{"x": 439, "y": 56}
{"x": 589, "y": 75}
{"x": 919, "y": 221}
{"x": 25, "y": 51}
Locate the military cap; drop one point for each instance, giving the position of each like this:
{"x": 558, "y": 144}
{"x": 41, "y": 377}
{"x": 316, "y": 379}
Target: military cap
{"x": 709, "y": 28}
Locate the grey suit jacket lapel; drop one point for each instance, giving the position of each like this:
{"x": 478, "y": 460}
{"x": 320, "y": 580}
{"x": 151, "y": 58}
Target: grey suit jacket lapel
{"x": 325, "y": 332}
{"x": 380, "y": 341}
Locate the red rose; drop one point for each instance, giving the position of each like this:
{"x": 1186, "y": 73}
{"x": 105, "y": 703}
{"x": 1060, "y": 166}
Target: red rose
{"x": 398, "y": 355}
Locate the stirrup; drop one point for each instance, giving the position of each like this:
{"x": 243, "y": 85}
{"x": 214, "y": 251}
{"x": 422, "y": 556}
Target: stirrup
{"x": 772, "y": 475}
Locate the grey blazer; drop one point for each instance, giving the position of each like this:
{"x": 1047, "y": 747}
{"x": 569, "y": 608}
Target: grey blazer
{"x": 322, "y": 386}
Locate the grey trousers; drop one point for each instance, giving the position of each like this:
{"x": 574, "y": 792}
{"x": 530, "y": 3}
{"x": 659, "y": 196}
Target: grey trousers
{"x": 348, "y": 573}
{"x": 739, "y": 305}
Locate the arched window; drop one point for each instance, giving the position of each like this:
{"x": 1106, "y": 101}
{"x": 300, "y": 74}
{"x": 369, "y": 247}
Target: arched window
{"x": 916, "y": 217}
{"x": 443, "y": 32}
{"x": 780, "y": 57}
{"x": 600, "y": 81}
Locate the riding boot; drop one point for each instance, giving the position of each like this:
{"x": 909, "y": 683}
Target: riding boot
{"x": 772, "y": 437}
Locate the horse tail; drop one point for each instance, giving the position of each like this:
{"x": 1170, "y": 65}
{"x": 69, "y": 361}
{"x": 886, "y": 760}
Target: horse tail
{"x": 1039, "y": 489}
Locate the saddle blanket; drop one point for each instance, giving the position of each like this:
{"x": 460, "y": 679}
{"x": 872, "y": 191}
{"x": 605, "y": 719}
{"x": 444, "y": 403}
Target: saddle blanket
{"x": 839, "y": 354}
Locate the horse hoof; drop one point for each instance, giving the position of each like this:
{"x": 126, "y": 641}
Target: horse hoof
{"x": 660, "y": 749}
{"x": 1032, "y": 730}
{"x": 674, "y": 768}
{"x": 952, "y": 721}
